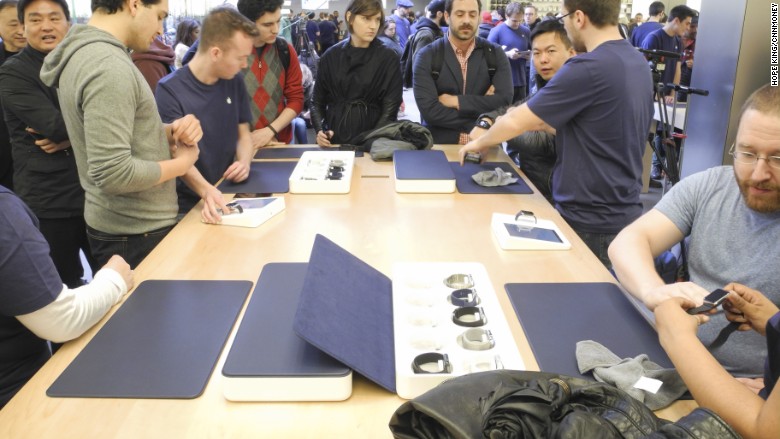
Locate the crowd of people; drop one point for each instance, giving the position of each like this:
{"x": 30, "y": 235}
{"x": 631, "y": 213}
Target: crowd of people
{"x": 103, "y": 152}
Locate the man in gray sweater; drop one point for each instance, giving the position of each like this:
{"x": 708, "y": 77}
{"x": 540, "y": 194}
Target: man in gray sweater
{"x": 127, "y": 159}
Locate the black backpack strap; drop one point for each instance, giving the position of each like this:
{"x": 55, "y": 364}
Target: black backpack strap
{"x": 438, "y": 57}
{"x": 407, "y": 61}
{"x": 284, "y": 52}
{"x": 490, "y": 57}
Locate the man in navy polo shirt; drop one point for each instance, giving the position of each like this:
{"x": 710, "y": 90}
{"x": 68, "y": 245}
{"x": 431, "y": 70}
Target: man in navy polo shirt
{"x": 601, "y": 111}
{"x": 211, "y": 88}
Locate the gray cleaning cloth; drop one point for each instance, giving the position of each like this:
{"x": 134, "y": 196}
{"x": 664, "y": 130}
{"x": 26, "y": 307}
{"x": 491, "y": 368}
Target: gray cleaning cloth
{"x": 499, "y": 177}
{"x": 624, "y": 373}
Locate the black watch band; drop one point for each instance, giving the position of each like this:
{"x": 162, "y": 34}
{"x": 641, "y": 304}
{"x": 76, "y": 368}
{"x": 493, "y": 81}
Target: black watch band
{"x": 432, "y": 363}
{"x": 469, "y": 316}
{"x": 482, "y": 123}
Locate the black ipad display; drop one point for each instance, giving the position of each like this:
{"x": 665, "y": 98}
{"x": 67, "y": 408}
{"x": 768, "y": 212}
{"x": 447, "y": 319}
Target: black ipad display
{"x": 532, "y": 232}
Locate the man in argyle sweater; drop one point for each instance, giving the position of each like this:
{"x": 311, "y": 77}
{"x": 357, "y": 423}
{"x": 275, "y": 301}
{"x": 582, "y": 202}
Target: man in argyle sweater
{"x": 276, "y": 91}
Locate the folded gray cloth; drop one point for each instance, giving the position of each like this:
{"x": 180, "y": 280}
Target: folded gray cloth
{"x": 624, "y": 373}
{"x": 383, "y": 149}
{"x": 499, "y": 177}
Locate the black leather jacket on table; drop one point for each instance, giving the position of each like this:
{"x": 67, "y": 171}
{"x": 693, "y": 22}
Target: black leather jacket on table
{"x": 509, "y": 403}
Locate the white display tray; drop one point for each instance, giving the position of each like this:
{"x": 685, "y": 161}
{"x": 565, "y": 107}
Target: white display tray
{"x": 423, "y": 323}
{"x": 254, "y": 211}
{"x": 530, "y": 233}
{"x": 310, "y": 174}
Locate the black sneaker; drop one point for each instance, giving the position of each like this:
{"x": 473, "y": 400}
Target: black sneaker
{"x": 656, "y": 173}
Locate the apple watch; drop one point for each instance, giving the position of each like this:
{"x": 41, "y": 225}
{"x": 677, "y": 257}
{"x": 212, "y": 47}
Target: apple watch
{"x": 469, "y": 316}
{"x": 464, "y": 297}
{"x": 458, "y": 281}
{"x": 482, "y": 123}
{"x": 432, "y": 363}
{"x": 477, "y": 339}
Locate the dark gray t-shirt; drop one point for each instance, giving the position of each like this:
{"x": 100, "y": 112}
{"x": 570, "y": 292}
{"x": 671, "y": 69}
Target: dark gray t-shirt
{"x": 729, "y": 243}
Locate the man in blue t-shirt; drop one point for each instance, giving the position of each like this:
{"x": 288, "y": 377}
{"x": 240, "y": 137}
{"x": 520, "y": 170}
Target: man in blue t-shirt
{"x": 601, "y": 111}
{"x": 668, "y": 39}
{"x": 211, "y": 88}
{"x": 402, "y": 26}
{"x": 514, "y": 38}
{"x": 657, "y": 12}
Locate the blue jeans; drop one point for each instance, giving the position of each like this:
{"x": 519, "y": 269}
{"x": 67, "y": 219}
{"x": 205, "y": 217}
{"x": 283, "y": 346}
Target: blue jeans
{"x": 598, "y": 243}
{"x": 299, "y": 131}
{"x": 133, "y": 248}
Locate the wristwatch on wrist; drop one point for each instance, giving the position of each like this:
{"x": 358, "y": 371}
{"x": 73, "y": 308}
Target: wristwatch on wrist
{"x": 483, "y": 123}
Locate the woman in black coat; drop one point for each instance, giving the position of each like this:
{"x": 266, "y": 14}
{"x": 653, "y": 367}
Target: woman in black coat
{"x": 358, "y": 85}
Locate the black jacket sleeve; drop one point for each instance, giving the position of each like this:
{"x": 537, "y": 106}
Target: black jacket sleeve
{"x": 393, "y": 89}
{"x": 321, "y": 94}
{"x": 28, "y": 100}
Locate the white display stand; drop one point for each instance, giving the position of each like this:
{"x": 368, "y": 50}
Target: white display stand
{"x": 253, "y": 211}
{"x": 313, "y": 388}
{"x": 423, "y": 172}
{"x": 423, "y": 323}
{"x": 311, "y": 175}
{"x": 527, "y": 232}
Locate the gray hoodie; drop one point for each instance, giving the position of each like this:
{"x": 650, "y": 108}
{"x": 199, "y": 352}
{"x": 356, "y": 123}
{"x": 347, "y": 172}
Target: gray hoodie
{"x": 115, "y": 130}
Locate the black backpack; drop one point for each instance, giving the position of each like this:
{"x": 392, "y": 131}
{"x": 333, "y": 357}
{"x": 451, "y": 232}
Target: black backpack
{"x": 438, "y": 57}
{"x": 407, "y": 59}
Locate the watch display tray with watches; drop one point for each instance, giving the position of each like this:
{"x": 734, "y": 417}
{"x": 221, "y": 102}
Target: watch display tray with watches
{"x": 525, "y": 231}
{"x": 323, "y": 172}
{"x": 423, "y": 172}
{"x": 447, "y": 322}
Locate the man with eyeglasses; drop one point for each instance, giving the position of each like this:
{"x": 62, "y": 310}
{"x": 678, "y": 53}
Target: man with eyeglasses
{"x": 599, "y": 104}
{"x": 732, "y": 216}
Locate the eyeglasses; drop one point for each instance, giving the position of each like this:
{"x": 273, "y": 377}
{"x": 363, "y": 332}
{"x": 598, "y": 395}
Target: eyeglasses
{"x": 751, "y": 158}
{"x": 560, "y": 17}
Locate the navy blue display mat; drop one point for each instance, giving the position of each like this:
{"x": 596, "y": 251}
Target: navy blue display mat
{"x": 283, "y": 153}
{"x": 346, "y": 310}
{"x": 264, "y": 177}
{"x": 163, "y": 342}
{"x": 467, "y": 185}
{"x": 292, "y": 153}
{"x": 266, "y": 345}
{"x": 422, "y": 165}
{"x": 555, "y": 316}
